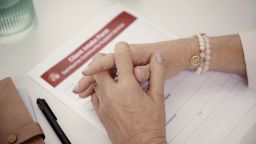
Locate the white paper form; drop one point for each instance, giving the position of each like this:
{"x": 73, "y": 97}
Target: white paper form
{"x": 61, "y": 71}
{"x": 213, "y": 108}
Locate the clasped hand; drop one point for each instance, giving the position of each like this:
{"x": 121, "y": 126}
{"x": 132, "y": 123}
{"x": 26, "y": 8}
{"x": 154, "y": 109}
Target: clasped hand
{"x": 129, "y": 114}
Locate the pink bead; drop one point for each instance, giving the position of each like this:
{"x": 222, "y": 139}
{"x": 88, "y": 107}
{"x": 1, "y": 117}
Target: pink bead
{"x": 207, "y": 51}
{"x": 207, "y": 63}
{"x": 205, "y": 69}
{"x": 208, "y": 45}
{"x": 199, "y": 70}
{"x": 208, "y": 57}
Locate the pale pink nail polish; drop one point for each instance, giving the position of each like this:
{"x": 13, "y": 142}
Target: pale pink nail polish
{"x": 144, "y": 85}
{"x": 141, "y": 74}
{"x": 76, "y": 87}
{"x": 159, "y": 58}
{"x": 85, "y": 71}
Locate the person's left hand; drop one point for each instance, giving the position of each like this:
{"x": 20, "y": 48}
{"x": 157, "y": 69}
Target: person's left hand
{"x": 177, "y": 54}
{"x": 129, "y": 114}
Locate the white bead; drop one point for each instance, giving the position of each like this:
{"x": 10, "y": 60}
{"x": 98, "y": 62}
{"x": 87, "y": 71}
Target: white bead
{"x": 205, "y": 36}
{"x": 207, "y": 40}
{"x": 202, "y": 48}
{"x": 207, "y": 51}
{"x": 199, "y": 36}
{"x": 202, "y": 55}
{"x": 201, "y": 44}
{"x": 201, "y": 40}
{"x": 199, "y": 70}
{"x": 204, "y": 45}
{"x": 208, "y": 57}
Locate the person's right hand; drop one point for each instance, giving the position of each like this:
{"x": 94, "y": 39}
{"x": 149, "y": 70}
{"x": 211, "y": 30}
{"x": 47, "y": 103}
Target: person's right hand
{"x": 174, "y": 52}
{"x": 129, "y": 114}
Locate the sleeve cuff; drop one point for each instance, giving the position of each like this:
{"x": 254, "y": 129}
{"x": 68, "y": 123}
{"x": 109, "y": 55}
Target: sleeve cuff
{"x": 248, "y": 40}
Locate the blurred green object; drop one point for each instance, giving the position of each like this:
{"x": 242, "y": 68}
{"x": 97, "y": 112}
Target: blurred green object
{"x": 17, "y": 19}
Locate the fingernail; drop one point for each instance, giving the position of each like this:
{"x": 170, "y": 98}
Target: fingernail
{"x": 159, "y": 58}
{"x": 141, "y": 74}
{"x": 76, "y": 87}
{"x": 85, "y": 71}
{"x": 144, "y": 85}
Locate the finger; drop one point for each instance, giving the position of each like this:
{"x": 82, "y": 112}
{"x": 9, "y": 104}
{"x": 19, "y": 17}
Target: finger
{"x": 100, "y": 64}
{"x": 123, "y": 62}
{"x": 97, "y": 56}
{"x": 103, "y": 79}
{"x": 142, "y": 53}
{"x": 142, "y": 73}
{"x": 157, "y": 77}
{"x": 89, "y": 91}
{"x": 95, "y": 102}
{"x": 83, "y": 84}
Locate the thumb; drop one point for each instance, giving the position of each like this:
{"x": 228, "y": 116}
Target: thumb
{"x": 142, "y": 73}
{"x": 157, "y": 77}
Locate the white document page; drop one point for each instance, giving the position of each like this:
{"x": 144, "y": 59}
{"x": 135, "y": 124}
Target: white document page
{"x": 213, "y": 108}
{"x": 59, "y": 72}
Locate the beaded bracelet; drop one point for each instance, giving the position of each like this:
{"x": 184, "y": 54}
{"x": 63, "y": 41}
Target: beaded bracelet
{"x": 202, "y": 61}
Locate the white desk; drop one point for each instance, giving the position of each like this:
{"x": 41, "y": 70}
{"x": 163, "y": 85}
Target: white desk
{"x": 59, "y": 20}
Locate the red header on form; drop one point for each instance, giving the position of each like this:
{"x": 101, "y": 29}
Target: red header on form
{"x": 89, "y": 48}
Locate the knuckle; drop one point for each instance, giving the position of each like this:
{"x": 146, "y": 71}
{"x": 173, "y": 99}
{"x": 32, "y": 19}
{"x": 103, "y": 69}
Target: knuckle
{"x": 121, "y": 44}
{"x": 118, "y": 50}
{"x": 121, "y": 47}
{"x": 98, "y": 55}
{"x": 85, "y": 80}
{"x": 110, "y": 55}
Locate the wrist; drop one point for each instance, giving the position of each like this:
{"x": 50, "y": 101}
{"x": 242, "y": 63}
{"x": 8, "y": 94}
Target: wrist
{"x": 191, "y": 47}
{"x": 183, "y": 50}
{"x": 150, "y": 137}
{"x": 176, "y": 53}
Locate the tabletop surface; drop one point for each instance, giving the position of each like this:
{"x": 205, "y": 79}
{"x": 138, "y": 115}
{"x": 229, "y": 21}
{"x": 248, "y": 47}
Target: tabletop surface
{"x": 59, "y": 20}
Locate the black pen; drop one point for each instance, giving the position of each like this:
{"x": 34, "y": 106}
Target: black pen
{"x": 52, "y": 120}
